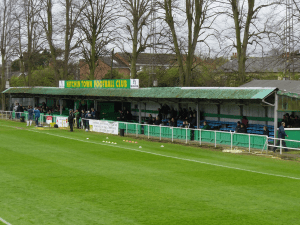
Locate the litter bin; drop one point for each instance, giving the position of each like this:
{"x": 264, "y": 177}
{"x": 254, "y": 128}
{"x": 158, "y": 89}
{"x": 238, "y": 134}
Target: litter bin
{"x": 122, "y": 132}
{"x": 22, "y": 119}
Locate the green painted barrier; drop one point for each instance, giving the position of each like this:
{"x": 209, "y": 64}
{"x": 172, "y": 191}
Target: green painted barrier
{"x": 293, "y": 134}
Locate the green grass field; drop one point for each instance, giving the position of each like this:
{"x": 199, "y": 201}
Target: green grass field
{"x": 52, "y": 176}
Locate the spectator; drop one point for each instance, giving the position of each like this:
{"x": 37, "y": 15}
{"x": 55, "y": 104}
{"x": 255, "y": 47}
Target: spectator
{"x": 193, "y": 120}
{"x": 266, "y": 131}
{"x": 150, "y": 119}
{"x": 245, "y": 121}
{"x": 30, "y": 116}
{"x": 93, "y": 113}
{"x": 128, "y": 116}
{"x": 282, "y": 135}
{"x": 157, "y": 121}
{"x": 243, "y": 129}
{"x": 172, "y": 123}
{"x": 205, "y": 126}
{"x": 82, "y": 119}
{"x": 71, "y": 120}
{"x": 165, "y": 111}
{"x": 77, "y": 117}
{"x": 238, "y": 127}
{"x": 36, "y": 115}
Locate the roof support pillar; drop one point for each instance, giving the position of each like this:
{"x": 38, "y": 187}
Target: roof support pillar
{"x": 198, "y": 115}
{"x": 60, "y": 106}
{"x": 145, "y": 115}
{"x": 241, "y": 110}
{"x": 95, "y": 105}
{"x": 219, "y": 111}
{"x": 266, "y": 113}
{"x": 275, "y": 115}
{"x": 140, "y": 112}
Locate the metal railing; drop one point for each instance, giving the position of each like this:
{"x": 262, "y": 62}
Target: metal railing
{"x": 249, "y": 141}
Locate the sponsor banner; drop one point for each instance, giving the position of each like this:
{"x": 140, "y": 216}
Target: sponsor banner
{"x": 105, "y": 84}
{"x": 104, "y": 126}
{"x": 61, "y": 121}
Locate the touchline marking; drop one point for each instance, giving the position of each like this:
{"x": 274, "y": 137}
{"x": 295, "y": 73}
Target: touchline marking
{"x": 5, "y": 222}
{"x": 173, "y": 157}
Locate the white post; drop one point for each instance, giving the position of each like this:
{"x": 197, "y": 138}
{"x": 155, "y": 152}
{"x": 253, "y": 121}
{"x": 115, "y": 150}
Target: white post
{"x": 215, "y": 139}
{"x": 172, "y": 134}
{"x": 148, "y": 130}
{"x": 126, "y": 128}
{"x": 159, "y": 132}
{"x": 186, "y": 135}
{"x": 200, "y": 135}
{"x": 249, "y": 142}
{"x": 280, "y": 146}
{"x": 231, "y": 133}
{"x": 137, "y": 130}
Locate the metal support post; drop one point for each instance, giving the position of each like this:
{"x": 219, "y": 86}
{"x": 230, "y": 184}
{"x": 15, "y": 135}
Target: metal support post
{"x": 198, "y": 115}
{"x": 275, "y": 115}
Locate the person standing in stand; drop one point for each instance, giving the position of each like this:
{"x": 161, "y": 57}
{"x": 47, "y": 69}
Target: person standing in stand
{"x": 71, "y": 120}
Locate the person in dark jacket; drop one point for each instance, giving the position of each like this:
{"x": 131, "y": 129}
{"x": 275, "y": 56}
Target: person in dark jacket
{"x": 37, "y": 116}
{"x": 71, "y": 120}
{"x": 77, "y": 116}
{"x": 238, "y": 127}
{"x": 266, "y": 131}
{"x": 172, "y": 123}
{"x": 150, "y": 119}
{"x": 243, "y": 129}
{"x": 282, "y": 135}
{"x": 205, "y": 126}
{"x": 157, "y": 121}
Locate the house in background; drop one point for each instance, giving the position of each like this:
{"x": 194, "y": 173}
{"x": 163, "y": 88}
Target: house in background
{"x": 282, "y": 65}
{"x": 121, "y": 63}
{"x": 104, "y": 66}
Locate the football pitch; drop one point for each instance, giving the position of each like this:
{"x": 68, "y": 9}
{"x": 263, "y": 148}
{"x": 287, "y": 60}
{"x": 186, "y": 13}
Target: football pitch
{"x": 52, "y": 176}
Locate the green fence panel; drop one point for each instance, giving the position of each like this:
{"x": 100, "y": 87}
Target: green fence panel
{"x": 166, "y": 132}
{"x": 179, "y": 133}
{"x": 293, "y": 135}
{"x": 224, "y": 138}
{"x": 259, "y": 142}
{"x": 241, "y": 140}
{"x": 208, "y": 136}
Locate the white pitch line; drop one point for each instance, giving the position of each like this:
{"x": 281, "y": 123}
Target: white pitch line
{"x": 173, "y": 157}
{"x": 5, "y": 222}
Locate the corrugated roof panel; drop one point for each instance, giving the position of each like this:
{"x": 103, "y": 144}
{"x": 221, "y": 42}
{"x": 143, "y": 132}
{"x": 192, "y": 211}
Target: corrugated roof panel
{"x": 158, "y": 92}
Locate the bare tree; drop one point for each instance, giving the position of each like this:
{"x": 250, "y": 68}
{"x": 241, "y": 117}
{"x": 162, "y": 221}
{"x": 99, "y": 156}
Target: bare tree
{"x": 97, "y": 24}
{"x": 46, "y": 16}
{"x": 137, "y": 28}
{"x": 198, "y": 17}
{"x": 251, "y": 26}
{"x": 7, "y": 39}
{"x": 72, "y": 13}
{"x": 31, "y": 11}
